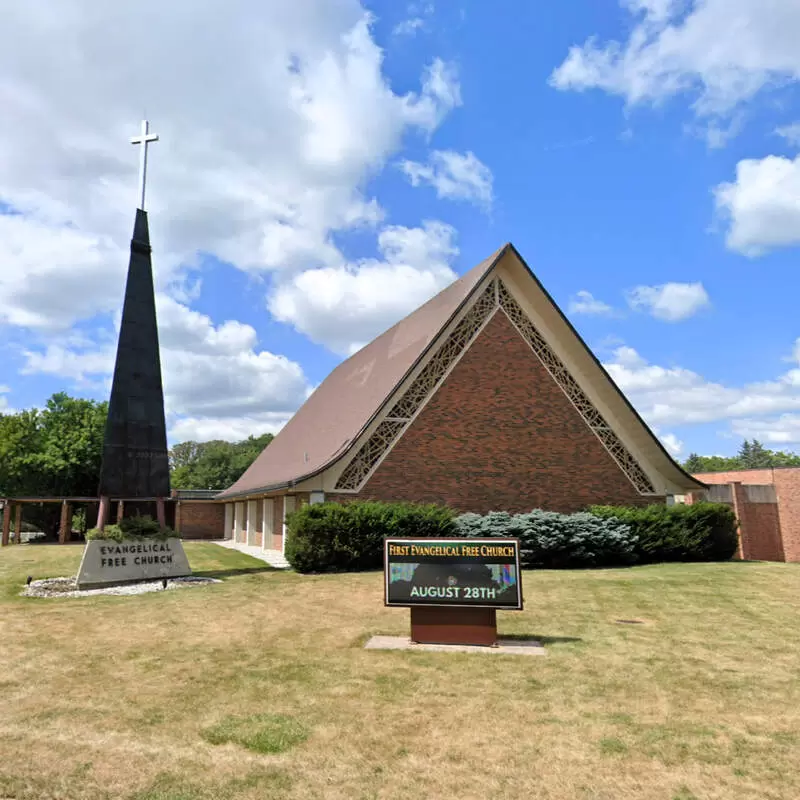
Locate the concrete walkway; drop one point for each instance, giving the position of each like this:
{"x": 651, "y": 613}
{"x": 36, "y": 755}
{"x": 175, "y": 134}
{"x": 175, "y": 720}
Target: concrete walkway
{"x": 272, "y": 557}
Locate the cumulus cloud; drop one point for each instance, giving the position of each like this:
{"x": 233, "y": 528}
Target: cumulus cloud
{"x": 671, "y": 302}
{"x": 790, "y": 132}
{"x": 456, "y": 176}
{"x": 762, "y": 205}
{"x": 584, "y": 302}
{"x": 675, "y": 395}
{"x": 345, "y": 307}
{"x": 265, "y": 151}
{"x": 723, "y": 52}
{"x": 216, "y": 379}
{"x": 261, "y": 176}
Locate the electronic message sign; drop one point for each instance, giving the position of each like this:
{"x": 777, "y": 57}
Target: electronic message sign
{"x": 471, "y": 573}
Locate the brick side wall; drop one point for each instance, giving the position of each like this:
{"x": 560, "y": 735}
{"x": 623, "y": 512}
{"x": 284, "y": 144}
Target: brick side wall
{"x": 787, "y": 488}
{"x": 500, "y": 434}
{"x": 202, "y": 520}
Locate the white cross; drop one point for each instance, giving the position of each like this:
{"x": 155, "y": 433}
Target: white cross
{"x": 143, "y": 139}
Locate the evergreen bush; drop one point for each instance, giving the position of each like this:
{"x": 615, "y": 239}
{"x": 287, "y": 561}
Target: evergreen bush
{"x": 339, "y": 537}
{"x": 138, "y": 527}
{"x": 699, "y": 532}
{"x": 552, "y": 540}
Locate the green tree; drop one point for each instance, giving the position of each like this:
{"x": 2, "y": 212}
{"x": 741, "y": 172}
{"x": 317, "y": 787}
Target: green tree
{"x": 215, "y": 464}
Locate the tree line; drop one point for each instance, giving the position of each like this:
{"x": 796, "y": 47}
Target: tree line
{"x": 56, "y": 451}
{"x": 751, "y": 455}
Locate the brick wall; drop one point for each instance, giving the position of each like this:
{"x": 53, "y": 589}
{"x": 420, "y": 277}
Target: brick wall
{"x": 500, "y": 434}
{"x": 787, "y": 491}
{"x": 201, "y": 519}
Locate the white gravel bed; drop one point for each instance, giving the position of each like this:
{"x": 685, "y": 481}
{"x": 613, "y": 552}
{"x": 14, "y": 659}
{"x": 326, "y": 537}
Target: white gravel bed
{"x": 65, "y": 587}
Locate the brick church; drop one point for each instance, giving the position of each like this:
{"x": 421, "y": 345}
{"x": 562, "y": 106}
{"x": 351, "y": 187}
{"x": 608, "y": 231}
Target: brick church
{"x": 485, "y": 398}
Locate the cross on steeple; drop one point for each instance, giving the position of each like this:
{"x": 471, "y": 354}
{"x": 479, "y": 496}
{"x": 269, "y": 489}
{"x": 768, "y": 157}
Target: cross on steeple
{"x": 144, "y": 138}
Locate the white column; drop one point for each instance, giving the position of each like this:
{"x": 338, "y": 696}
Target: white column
{"x": 228, "y": 534}
{"x": 237, "y": 522}
{"x": 266, "y": 541}
{"x": 252, "y": 519}
{"x": 288, "y": 507}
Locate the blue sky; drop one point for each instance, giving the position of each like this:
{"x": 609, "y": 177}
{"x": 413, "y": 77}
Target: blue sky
{"x": 335, "y": 164}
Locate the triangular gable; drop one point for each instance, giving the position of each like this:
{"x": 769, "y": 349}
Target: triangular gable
{"x": 330, "y": 422}
{"x": 624, "y": 435}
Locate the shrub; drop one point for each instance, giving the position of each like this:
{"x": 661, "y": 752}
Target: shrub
{"x": 141, "y": 527}
{"x": 333, "y": 537}
{"x": 700, "y": 532}
{"x": 552, "y": 540}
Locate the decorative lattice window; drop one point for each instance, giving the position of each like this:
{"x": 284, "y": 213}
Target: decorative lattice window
{"x": 423, "y": 386}
{"x": 556, "y": 367}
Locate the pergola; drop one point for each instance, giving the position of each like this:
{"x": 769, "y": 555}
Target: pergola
{"x": 12, "y": 506}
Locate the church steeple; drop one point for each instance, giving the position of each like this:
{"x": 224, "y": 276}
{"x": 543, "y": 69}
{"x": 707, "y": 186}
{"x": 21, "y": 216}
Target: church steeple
{"x": 135, "y": 459}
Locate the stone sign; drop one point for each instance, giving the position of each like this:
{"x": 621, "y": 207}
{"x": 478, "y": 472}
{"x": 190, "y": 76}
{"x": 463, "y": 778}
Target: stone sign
{"x": 106, "y": 562}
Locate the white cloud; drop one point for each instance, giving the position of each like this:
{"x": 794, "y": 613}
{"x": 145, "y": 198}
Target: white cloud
{"x": 216, "y": 380}
{"x": 671, "y": 302}
{"x": 347, "y": 306}
{"x": 678, "y": 396}
{"x": 762, "y": 205}
{"x": 776, "y": 431}
{"x": 790, "y": 132}
{"x": 45, "y": 271}
{"x": 673, "y": 444}
{"x": 409, "y": 27}
{"x": 260, "y": 175}
{"x": 722, "y": 51}
{"x": 5, "y": 406}
{"x": 585, "y": 302}
{"x": 457, "y": 176}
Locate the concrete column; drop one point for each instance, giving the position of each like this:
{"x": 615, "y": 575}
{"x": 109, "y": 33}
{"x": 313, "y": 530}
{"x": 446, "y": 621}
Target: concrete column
{"x": 161, "y": 513}
{"x": 120, "y": 510}
{"x": 742, "y": 550}
{"x": 177, "y": 516}
{"x": 252, "y": 521}
{"x": 288, "y": 506}
{"x": 228, "y": 534}
{"x": 65, "y": 529}
{"x": 8, "y": 509}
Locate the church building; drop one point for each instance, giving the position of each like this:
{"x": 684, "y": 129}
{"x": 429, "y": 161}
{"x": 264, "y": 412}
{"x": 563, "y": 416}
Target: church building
{"x": 485, "y": 398}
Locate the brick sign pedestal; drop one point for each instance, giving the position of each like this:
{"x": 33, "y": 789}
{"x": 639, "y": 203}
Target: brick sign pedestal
{"x": 440, "y": 625}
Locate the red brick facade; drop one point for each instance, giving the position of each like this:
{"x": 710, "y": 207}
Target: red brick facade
{"x": 764, "y": 528}
{"x": 499, "y": 434}
{"x": 200, "y": 519}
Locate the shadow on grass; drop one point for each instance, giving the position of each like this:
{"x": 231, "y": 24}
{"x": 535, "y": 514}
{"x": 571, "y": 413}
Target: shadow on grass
{"x": 231, "y": 573}
{"x": 526, "y": 637}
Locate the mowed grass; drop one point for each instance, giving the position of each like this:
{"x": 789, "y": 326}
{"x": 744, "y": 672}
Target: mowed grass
{"x": 259, "y": 687}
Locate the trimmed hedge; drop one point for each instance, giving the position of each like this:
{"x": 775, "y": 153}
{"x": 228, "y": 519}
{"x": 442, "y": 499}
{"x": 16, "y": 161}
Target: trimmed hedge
{"x": 700, "y": 532}
{"x": 334, "y": 537}
{"x": 348, "y": 537}
{"x": 552, "y": 540}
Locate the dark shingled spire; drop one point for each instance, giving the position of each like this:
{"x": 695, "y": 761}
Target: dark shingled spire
{"x": 135, "y": 461}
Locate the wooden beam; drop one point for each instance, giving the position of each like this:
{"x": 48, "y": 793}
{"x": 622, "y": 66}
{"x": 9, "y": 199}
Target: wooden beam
{"x": 65, "y": 529}
{"x": 120, "y": 510}
{"x": 18, "y": 525}
{"x": 160, "y": 513}
{"x": 8, "y": 508}
{"x": 178, "y": 516}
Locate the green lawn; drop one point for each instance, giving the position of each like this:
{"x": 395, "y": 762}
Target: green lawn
{"x": 259, "y": 687}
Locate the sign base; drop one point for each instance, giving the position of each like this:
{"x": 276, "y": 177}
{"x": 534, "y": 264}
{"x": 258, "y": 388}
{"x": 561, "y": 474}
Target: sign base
{"x": 442, "y": 625}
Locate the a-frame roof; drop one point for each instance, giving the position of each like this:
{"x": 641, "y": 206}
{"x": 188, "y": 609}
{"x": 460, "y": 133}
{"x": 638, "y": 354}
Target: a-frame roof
{"x": 345, "y": 402}
{"x": 329, "y": 423}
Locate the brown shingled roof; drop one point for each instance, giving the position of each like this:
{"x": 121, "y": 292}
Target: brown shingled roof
{"x": 346, "y": 401}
